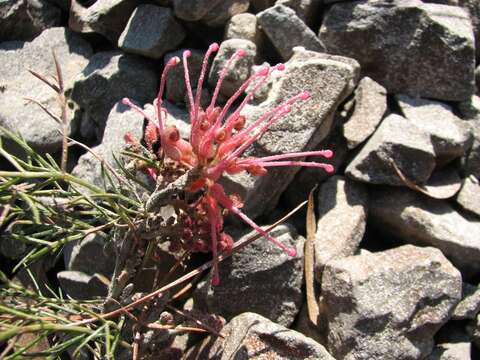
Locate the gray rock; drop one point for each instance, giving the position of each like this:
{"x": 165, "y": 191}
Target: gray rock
{"x": 17, "y": 113}
{"x": 91, "y": 256}
{"x": 210, "y": 12}
{"x": 473, "y": 159}
{"x": 251, "y": 336}
{"x": 329, "y": 81}
{"x": 395, "y": 139}
{"x": 307, "y": 10}
{"x": 106, "y": 17}
{"x": 120, "y": 121}
{"x": 471, "y": 6}
{"x": 175, "y": 83}
{"x": 243, "y": 26}
{"x": 417, "y": 219}
{"x": 473, "y": 330}
{"x": 151, "y": 32}
{"x": 469, "y": 195}
{"x": 342, "y": 217}
{"x": 109, "y": 77}
{"x": 286, "y": 30}
{"x": 370, "y": 106}
{"x": 306, "y": 179}
{"x": 407, "y": 46}
{"x": 260, "y": 268}
{"x": 451, "y": 351}
{"x": 81, "y": 286}
{"x": 469, "y": 307}
{"x": 23, "y": 20}
{"x": 388, "y": 305}
{"x": 450, "y": 135}
{"x": 240, "y": 70}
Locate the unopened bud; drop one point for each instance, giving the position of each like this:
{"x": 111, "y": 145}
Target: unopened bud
{"x": 239, "y": 123}
{"x": 213, "y": 47}
{"x": 220, "y": 135}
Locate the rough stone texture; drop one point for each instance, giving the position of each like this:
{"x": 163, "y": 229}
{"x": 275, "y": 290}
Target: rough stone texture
{"x": 370, "y": 106}
{"x": 395, "y": 139}
{"x": 417, "y": 219}
{"x": 473, "y": 159}
{"x": 105, "y": 17}
{"x": 307, "y": 10}
{"x": 242, "y": 66}
{"x": 329, "y": 80}
{"x": 210, "y": 12}
{"x": 342, "y": 216}
{"x": 473, "y": 329}
{"x": 473, "y": 8}
{"x": 79, "y": 285}
{"x": 306, "y": 179}
{"x": 260, "y": 268}
{"x": 251, "y": 336}
{"x": 90, "y": 256}
{"x": 450, "y": 135}
{"x": 286, "y": 30}
{"x": 243, "y": 26}
{"x": 388, "y": 305}
{"x": 407, "y": 46}
{"x": 151, "y": 32}
{"x": 22, "y": 116}
{"x": 120, "y": 121}
{"x": 23, "y": 20}
{"x": 175, "y": 83}
{"x": 469, "y": 195}
{"x": 109, "y": 77}
{"x": 469, "y": 307}
{"x": 451, "y": 351}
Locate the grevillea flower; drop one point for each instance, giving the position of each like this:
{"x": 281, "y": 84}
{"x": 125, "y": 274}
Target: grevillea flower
{"x": 218, "y": 138}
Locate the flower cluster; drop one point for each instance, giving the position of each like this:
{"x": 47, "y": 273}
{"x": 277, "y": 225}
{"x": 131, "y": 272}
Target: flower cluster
{"x": 219, "y": 136}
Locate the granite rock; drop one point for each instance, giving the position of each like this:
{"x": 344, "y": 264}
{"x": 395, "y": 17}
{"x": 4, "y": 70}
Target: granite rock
{"x": 210, "y": 12}
{"x": 286, "y": 30}
{"x": 469, "y": 306}
{"x": 17, "y": 113}
{"x": 408, "y": 47}
{"x": 388, "y": 305}
{"x": 151, "y": 31}
{"x": 243, "y": 26}
{"x": 370, "y": 107}
{"x": 469, "y": 195}
{"x": 417, "y": 219}
{"x": 394, "y": 140}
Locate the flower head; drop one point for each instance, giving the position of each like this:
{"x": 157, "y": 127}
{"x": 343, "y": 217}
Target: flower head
{"x": 218, "y": 138}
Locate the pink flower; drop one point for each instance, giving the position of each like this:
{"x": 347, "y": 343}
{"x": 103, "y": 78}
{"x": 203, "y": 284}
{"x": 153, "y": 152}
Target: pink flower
{"x": 216, "y": 143}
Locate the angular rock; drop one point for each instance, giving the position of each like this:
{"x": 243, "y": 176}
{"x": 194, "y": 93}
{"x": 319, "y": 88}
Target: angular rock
{"x": 121, "y": 120}
{"x": 307, "y": 10}
{"x": 469, "y": 307}
{"x": 394, "y": 140}
{"x": 450, "y": 135}
{"x": 451, "y": 351}
{"x": 473, "y": 330}
{"x": 469, "y": 195}
{"x": 388, "y": 305}
{"x": 81, "y": 286}
{"x": 22, "y": 116}
{"x": 286, "y": 30}
{"x": 329, "y": 80}
{"x": 242, "y": 66}
{"x": 109, "y": 77}
{"x": 151, "y": 32}
{"x": 23, "y": 20}
{"x": 175, "y": 83}
{"x": 210, "y": 12}
{"x": 243, "y": 26}
{"x": 473, "y": 159}
{"x": 342, "y": 218}
{"x": 105, "y": 17}
{"x": 471, "y": 6}
{"x": 251, "y": 336}
{"x": 408, "y": 47}
{"x": 91, "y": 256}
{"x": 370, "y": 106}
{"x": 260, "y": 268}
{"x": 414, "y": 218}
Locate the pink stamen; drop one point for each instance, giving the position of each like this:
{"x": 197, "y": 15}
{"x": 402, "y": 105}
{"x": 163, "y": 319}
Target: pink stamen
{"x": 188, "y": 86}
{"x": 237, "y": 54}
{"x": 327, "y": 167}
{"x": 324, "y": 153}
{"x": 128, "y": 102}
{"x": 211, "y": 49}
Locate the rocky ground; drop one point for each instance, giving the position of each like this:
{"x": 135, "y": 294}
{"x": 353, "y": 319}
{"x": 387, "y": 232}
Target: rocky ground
{"x": 397, "y": 248}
